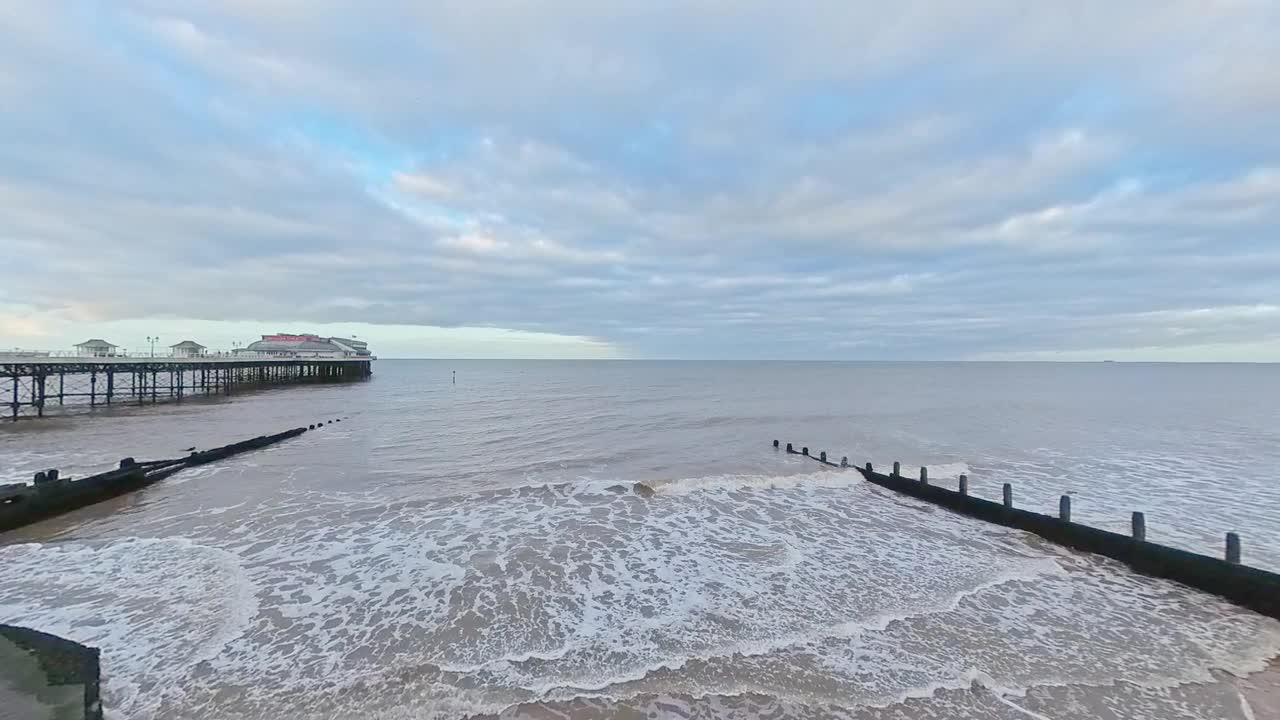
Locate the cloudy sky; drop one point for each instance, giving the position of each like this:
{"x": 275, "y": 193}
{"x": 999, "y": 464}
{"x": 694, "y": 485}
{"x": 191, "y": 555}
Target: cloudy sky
{"x": 704, "y": 179}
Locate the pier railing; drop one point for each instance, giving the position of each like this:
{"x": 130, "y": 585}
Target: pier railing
{"x": 1226, "y": 577}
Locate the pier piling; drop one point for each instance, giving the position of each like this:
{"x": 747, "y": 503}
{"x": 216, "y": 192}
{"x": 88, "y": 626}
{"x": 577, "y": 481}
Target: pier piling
{"x": 28, "y": 391}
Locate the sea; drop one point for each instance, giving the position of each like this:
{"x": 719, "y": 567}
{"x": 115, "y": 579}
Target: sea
{"x": 478, "y": 539}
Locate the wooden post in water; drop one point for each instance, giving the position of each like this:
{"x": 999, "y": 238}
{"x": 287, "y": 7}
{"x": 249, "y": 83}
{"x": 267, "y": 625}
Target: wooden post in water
{"x": 822, "y": 456}
{"x": 1064, "y": 508}
{"x": 897, "y": 469}
{"x": 844, "y": 461}
{"x": 1233, "y": 548}
{"x": 964, "y": 484}
{"x": 804, "y": 451}
{"x": 1139, "y": 527}
{"x": 869, "y": 468}
{"x": 775, "y": 444}
{"x": 1008, "y": 495}
{"x": 924, "y": 475}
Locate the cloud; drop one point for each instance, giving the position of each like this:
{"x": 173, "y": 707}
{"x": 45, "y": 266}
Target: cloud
{"x": 837, "y": 180}
{"x": 423, "y": 184}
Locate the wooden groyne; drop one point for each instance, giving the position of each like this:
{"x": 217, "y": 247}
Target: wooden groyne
{"x": 32, "y": 387}
{"x": 1226, "y": 577}
{"x": 63, "y": 663}
{"x": 51, "y": 494}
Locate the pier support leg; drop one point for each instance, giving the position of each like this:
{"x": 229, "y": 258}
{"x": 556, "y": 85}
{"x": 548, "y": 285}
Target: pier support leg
{"x": 93, "y": 388}
{"x": 37, "y": 394}
{"x": 61, "y": 387}
{"x": 14, "y": 404}
{"x": 111, "y": 384}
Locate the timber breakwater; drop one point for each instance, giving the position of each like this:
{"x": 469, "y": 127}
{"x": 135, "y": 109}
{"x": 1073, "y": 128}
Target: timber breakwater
{"x": 1226, "y": 577}
{"x": 49, "y": 672}
{"x": 48, "y": 676}
{"x": 52, "y": 494}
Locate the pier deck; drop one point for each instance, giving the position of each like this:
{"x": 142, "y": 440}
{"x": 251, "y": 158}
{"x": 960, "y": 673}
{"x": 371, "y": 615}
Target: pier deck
{"x": 32, "y": 386}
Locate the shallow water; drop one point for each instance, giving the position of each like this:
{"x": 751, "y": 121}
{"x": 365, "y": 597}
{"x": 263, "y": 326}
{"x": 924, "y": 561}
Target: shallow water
{"x": 450, "y": 550}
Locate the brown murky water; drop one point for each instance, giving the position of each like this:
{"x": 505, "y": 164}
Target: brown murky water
{"x": 465, "y": 551}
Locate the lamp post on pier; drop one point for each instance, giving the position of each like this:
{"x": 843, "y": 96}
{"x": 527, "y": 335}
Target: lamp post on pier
{"x": 153, "y": 341}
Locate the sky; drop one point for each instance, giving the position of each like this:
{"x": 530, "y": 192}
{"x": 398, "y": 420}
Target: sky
{"x": 833, "y": 179}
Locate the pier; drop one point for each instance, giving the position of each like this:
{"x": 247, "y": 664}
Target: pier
{"x": 31, "y": 387}
{"x": 1226, "y": 576}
